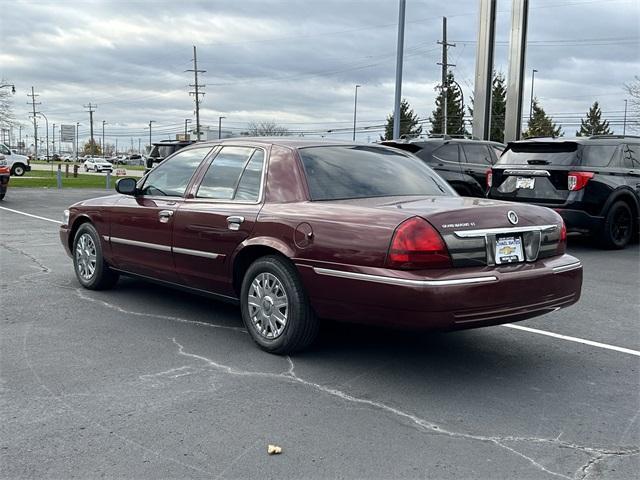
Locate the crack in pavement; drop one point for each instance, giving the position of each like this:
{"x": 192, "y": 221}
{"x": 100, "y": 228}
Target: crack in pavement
{"x": 420, "y": 423}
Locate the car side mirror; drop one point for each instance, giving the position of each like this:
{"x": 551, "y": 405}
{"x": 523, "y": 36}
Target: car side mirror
{"x": 126, "y": 186}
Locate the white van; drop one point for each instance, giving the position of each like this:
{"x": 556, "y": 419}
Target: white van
{"x": 18, "y": 164}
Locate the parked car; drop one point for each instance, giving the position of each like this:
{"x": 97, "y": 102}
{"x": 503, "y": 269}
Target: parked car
{"x": 593, "y": 182}
{"x": 18, "y": 164}
{"x": 97, "y": 165}
{"x": 163, "y": 149}
{"x": 297, "y": 230}
{"x": 461, "y": 162}
{"x": 5, "y": 175}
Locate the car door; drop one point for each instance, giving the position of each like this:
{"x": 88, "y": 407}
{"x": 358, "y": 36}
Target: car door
{"x": 477, "y": 160}
{"x": 217, "y": 216}
{"x": 142, "y": 226}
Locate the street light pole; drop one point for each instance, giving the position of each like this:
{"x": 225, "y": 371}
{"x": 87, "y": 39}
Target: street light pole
{"x": 533, "y": 77}
{"x": 103, "y": 144}
{"x": 399, "y": 59}
{"x": 77, "y": 129}
{"x": 13, "y": 87}
{"x": 53, "y": 140}
{"x": 355, "y": 109}
{"x": 46, "y": 123}
{"x": 624, "y": 123}
{"x": 220, "y": 126}
{"x": 150, "y": 122}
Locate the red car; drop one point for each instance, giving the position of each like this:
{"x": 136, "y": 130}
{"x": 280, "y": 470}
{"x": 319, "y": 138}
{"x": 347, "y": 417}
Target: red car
{"x": 297, "y": 230}
{"x": 5, "y": 175}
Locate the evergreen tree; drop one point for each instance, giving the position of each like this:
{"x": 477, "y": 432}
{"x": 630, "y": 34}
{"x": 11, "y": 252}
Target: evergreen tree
{"x": 498, "y": 107}
{"x": 455, "y": 111}
{"x": 593, "y": 124}
{"x": 540, "y": 124}
{"x": 408, "y": 123}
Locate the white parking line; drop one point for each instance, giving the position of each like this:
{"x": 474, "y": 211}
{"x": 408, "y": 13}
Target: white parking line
{"x": 573, "y": 339}
{"x": 30, "y": 215}
{"x": 508, "y": 325}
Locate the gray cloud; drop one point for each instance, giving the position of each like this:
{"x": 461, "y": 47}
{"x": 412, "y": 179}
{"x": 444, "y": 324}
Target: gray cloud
{"x": 295, "y": 62}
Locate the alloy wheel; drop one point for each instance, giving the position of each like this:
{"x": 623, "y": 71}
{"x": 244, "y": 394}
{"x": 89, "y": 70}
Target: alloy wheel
{"x": 86, "y": 256}
{"x": 268, "y": 305}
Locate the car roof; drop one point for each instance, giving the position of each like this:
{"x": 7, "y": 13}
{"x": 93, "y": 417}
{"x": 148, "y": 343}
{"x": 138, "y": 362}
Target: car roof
{"x": 291, "y": 142}
{"x": 593, "y": 140}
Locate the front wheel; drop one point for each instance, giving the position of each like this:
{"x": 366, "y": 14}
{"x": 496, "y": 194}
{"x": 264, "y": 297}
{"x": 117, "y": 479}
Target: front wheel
{"x": 18, "y": 170}
{"x": 91, "y": 270}
{"x": 618, "y": 227}
{"x": 275, "y": 308}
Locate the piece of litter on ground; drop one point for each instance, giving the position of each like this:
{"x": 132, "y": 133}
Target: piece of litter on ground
{"x": 274, "y": 449}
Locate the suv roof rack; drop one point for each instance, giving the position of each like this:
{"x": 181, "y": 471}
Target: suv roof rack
{"x": 613, "y": 136}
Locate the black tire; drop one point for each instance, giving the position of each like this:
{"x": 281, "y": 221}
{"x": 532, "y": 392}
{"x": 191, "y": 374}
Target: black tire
{"x": 18, "y": 170}
{"x": 102, "y": 277}
{"x": 86, "y": 169}
{"x": 618, "y": 227}
{"x": 301, "y": 326}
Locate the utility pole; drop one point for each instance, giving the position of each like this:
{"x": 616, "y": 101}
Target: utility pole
{"x": 624, "y": 123}
{"x": 103, "y": 144}
{"x": 445, "y": 74}
{"x": 46, "y": 123}
{"x": 35, "y": 121}
{"x": 220, "y": 126}
{"x": 20, "y": 149}
{"x": 399, "y": 59}
{"x": 355, "y": 108}
{"x": 92, "y": 108}
{"x": 150, "y": 122}
{"x": 533, "y": 78}
{"x": 196, "y": 91}
{"x": 53, "y": 142}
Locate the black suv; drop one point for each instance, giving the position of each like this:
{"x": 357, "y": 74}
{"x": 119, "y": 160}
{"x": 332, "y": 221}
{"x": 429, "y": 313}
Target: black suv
{"x": 163, "y": 149}
{"x": 593, "y": 182}
{"x": 461, "y": 162}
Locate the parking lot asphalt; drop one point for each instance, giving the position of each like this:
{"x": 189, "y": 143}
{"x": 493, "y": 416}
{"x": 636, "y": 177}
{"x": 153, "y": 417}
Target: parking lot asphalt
{"x": 146, "y": 382}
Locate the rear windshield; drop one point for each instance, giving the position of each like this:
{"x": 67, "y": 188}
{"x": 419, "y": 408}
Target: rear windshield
{"x": 342, "y": 172}
{"x": 560, "y": 153}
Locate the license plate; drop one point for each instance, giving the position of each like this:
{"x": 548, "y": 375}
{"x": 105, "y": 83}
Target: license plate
{"x": 509, "y": 250}
{"x": 525, "y": 182}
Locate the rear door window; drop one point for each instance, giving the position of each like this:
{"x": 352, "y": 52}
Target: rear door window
{"x": 478, "y": 154}
{"x": 223, "y": 175}
{"x": 447, "y": 153}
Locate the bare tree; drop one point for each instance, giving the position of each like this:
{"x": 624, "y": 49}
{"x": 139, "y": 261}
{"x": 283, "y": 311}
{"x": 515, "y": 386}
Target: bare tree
{"x": 265, "y": 129}
{"x": 7, "y": 118}
{"x": 633, "y": 89}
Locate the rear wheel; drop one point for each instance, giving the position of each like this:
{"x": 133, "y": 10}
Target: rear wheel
{"x": 618, "y": 226}
{"x": 275, "y": 308}
{"x": 88, "y": 262}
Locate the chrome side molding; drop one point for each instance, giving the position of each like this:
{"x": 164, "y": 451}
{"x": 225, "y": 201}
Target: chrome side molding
{"x": 402, "y": 281}
{"x": 163, "y": 248}
{"x": 568, "y": 267}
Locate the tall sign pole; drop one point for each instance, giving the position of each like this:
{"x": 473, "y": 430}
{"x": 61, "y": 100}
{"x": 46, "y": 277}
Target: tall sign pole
{"x": 484, "y": 70}
{"x": 515, "y": 82}
{"x": 399, "y": 58}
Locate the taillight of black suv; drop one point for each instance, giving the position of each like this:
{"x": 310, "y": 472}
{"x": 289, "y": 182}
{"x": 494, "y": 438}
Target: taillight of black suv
{"x": 593, "y": 182}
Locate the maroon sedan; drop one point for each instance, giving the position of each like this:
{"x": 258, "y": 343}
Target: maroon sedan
{"x": 297, "y": 230}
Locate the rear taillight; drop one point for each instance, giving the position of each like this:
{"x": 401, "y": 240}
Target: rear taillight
{"x": 578, "y": 180}
{"x": 489, "y": 175}
{"x": 562, "y": 243}
{"x": 416, "y": 245}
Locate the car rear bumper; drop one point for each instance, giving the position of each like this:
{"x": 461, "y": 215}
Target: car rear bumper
{"x": 580, "y": 221}
{"x": 466, "y": 298}
{"x": 4, "y": 182}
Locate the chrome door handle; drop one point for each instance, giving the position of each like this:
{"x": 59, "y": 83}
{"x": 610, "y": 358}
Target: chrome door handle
{"x": 233, "y": 222}
{"x": 165, "y": 215}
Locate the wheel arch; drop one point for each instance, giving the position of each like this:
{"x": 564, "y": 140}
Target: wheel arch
{"x": 629, "y": 197}
{"x": 250, "y": 251}
{"x": 77, "y": 223}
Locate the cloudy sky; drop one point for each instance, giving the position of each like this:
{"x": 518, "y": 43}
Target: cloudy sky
{"x": 295, "y": 62}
